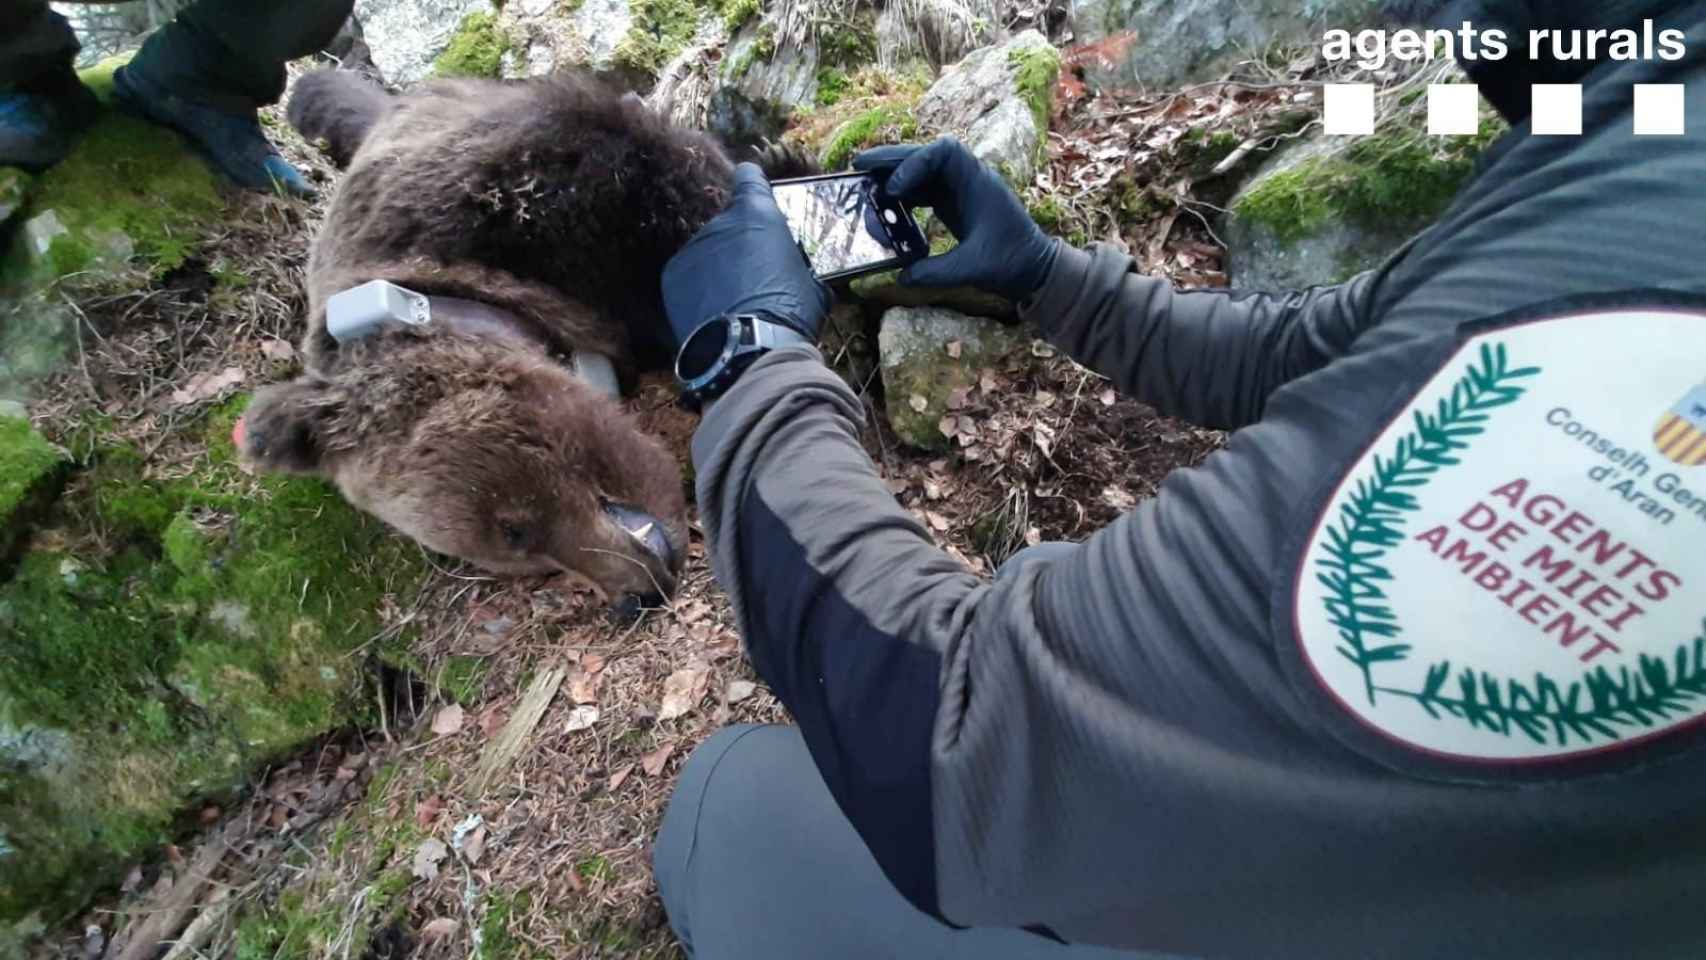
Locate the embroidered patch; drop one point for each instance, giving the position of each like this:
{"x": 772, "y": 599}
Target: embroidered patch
{"x": 1515, "y": 570}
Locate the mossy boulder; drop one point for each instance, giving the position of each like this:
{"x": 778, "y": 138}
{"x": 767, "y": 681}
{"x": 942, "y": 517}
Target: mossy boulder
{"x": 928, "y": 354}
{"x": 164, "y": 635}
{"x": 132, "y": 200}
{"x": 31, "y": 472}
{"x": 998, "y": 100}
{"x": 476, "y": 49}
{"x": 407, "y": 37}
{"x": 762, "y": 82}
{"x": 128, "y": 189}
{"x": 1332, "y": 207}
{"x": 1160, "y": 44}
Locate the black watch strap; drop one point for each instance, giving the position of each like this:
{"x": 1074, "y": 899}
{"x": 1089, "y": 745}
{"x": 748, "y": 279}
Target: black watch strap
{"x": 720, "y": 350}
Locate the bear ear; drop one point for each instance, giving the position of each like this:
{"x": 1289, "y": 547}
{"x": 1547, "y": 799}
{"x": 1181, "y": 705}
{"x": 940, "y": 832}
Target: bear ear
{"x": 284, "y": 428}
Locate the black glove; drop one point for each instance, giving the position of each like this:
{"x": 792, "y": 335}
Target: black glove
{"x": 1001, "y": 248}
{"x": 745, "y": 260}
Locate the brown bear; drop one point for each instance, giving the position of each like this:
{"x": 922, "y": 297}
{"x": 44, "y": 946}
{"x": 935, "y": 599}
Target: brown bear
{"x": 538, "y": 216}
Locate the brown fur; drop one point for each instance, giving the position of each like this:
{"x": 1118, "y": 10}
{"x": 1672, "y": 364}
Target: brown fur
{"x": 558, "y": 201}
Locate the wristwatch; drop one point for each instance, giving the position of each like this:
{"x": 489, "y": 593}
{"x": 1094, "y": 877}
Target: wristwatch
{"x": 721, "y": 349}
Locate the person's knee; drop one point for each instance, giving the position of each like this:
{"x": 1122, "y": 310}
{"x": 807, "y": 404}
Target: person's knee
{"x": 675, "y": 839}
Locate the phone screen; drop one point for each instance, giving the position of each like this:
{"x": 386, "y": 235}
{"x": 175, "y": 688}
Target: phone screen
{"x": 840, "y": 224}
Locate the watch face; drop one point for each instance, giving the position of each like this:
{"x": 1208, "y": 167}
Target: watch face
{"x": 703, "y": 351}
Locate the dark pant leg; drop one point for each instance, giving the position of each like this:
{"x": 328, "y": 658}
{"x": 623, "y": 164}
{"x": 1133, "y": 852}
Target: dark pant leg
{"x": 35, "y": 44}
{"x": 756, "y": 862}
{"x": 231, "y": 53}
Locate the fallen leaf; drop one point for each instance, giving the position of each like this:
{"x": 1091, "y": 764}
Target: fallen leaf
{"x": 954, "y": 349}
{"x": 898, "y": 485}
{"x": 428, "y": 856}
{"x": 474, "y": 846}
{"x": 949, "y": 426}
{"x": 1108, "y": 397}
{"x": 448, "y": 721}
{"x": 653, "y": 762}
{"x": 958, "y": 397}
{"x": 279, "y": 350}
{"x": 683, "y": 689}
{"x": 937, "y": 521}
{"x": 441, "y": 929}
{"x": 740, "y": 690}
{"x": 620, "y": 777}
{"x": 581, "y": 718}
{"x": 583, "y": 686}
{"x": 1045, "y": 398}
{"x": 492, "y": 719}
{"x": 592, "y": 663}
{"x": 206, "y": 386}
{"x": 918, "y": 403}
{"x": 209, "y": 815}
{"x": 1033, "y": 536}
{"x": 427, "y": 811}
{"x": 986, "y": 381}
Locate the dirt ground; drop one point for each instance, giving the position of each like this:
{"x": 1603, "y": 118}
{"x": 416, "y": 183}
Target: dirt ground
{"x": 505, "y": 803}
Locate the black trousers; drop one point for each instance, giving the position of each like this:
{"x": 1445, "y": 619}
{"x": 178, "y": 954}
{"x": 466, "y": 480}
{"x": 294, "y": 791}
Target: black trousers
{"x": 755, "y": 861}
{"x": 228, "y": 53}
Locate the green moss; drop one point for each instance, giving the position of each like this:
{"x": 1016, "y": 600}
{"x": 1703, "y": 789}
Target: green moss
{"x": 496, "y": 940}
{"x": 1047, "y": 214}
{"x": 1202, "y": 149}
{"x": 596, "y": 868}
{"x": 850, "y": 44}
{"x": 658, "y": 31}
{"x": 129, "y": 189}
{"x": 736, "y": 13}
{"x": 1393, "y": 181}
{"x": 831, "y": 86}
{"x": 463, "y": 678}
{"x": 476, "y": 49}
{"x": 187, "y": 630}
{"x": 879, "y": 125}
{"x": 1035, "y": 73}
{"x": 30, "y": 471}
{"x": 762, "y": 48}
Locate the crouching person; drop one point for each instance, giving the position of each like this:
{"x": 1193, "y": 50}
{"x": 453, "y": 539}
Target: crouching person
{"x": 1397, "y": 673}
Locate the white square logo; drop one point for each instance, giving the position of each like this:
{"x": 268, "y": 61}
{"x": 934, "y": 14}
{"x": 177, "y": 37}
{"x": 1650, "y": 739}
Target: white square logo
{"x": 1558, "y": 109}
{"x": 1659, "y": 109}
{"x": 1454, "y": 109}
{"x": 1349, "y": 110}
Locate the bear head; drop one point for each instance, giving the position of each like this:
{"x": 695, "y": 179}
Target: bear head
{"x": 486, "y": 452}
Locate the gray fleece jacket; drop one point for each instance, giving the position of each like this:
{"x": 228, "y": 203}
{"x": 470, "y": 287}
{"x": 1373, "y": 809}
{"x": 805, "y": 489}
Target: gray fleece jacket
{"x": 1414, "y": 667}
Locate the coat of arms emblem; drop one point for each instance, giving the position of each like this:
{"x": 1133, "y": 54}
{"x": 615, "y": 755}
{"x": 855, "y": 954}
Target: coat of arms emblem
{"x": 1681, "y": 433}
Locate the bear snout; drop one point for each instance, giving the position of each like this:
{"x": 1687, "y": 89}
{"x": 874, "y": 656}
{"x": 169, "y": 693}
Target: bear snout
{"x": 648, "y": 531}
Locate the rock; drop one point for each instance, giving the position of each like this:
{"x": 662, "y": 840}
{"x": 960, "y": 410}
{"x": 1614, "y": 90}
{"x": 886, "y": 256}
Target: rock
{"x": 1332, "y": 207}
{"x": 1175, "y": 42}
{"x": 885, "y": 290}
{"x": 130, "y": 194}
{"x": 686, "y": 84}
{"x": 14, "y": 191}
{"x": 603, "y": 24}
{"x": 938, "y": 32}
{"x": 761, "y": 84}
{"x": 998, "y": 101}
{"x": 175, "y": 636}
{"x": 920, "y": 375}
{"x": 31, "y": 473}
{"x": 407, "y": 36}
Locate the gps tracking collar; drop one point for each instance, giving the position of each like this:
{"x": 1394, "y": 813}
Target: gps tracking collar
{"x": 379, "y": 305}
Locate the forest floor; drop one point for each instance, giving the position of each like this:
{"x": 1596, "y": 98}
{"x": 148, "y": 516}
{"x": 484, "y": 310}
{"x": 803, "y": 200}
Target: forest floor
{"x": 505, "y": 803}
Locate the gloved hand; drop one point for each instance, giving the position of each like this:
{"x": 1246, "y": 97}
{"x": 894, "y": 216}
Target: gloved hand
{"x": 1001, "y": 248}
{"x": 745, "y": 260}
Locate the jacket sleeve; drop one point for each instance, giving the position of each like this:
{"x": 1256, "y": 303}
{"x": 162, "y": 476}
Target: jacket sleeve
{"x": 974, "y": 733}
{"x": 1211, "y": 357}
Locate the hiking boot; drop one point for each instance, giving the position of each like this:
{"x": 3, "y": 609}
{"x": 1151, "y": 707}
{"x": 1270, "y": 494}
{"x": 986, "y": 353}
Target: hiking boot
{"x": 232, "y": 142}
{"x": 39, "y": 126}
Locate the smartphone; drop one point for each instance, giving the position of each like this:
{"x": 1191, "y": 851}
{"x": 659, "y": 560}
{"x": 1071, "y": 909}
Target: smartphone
{"x": 848, "y": 226}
